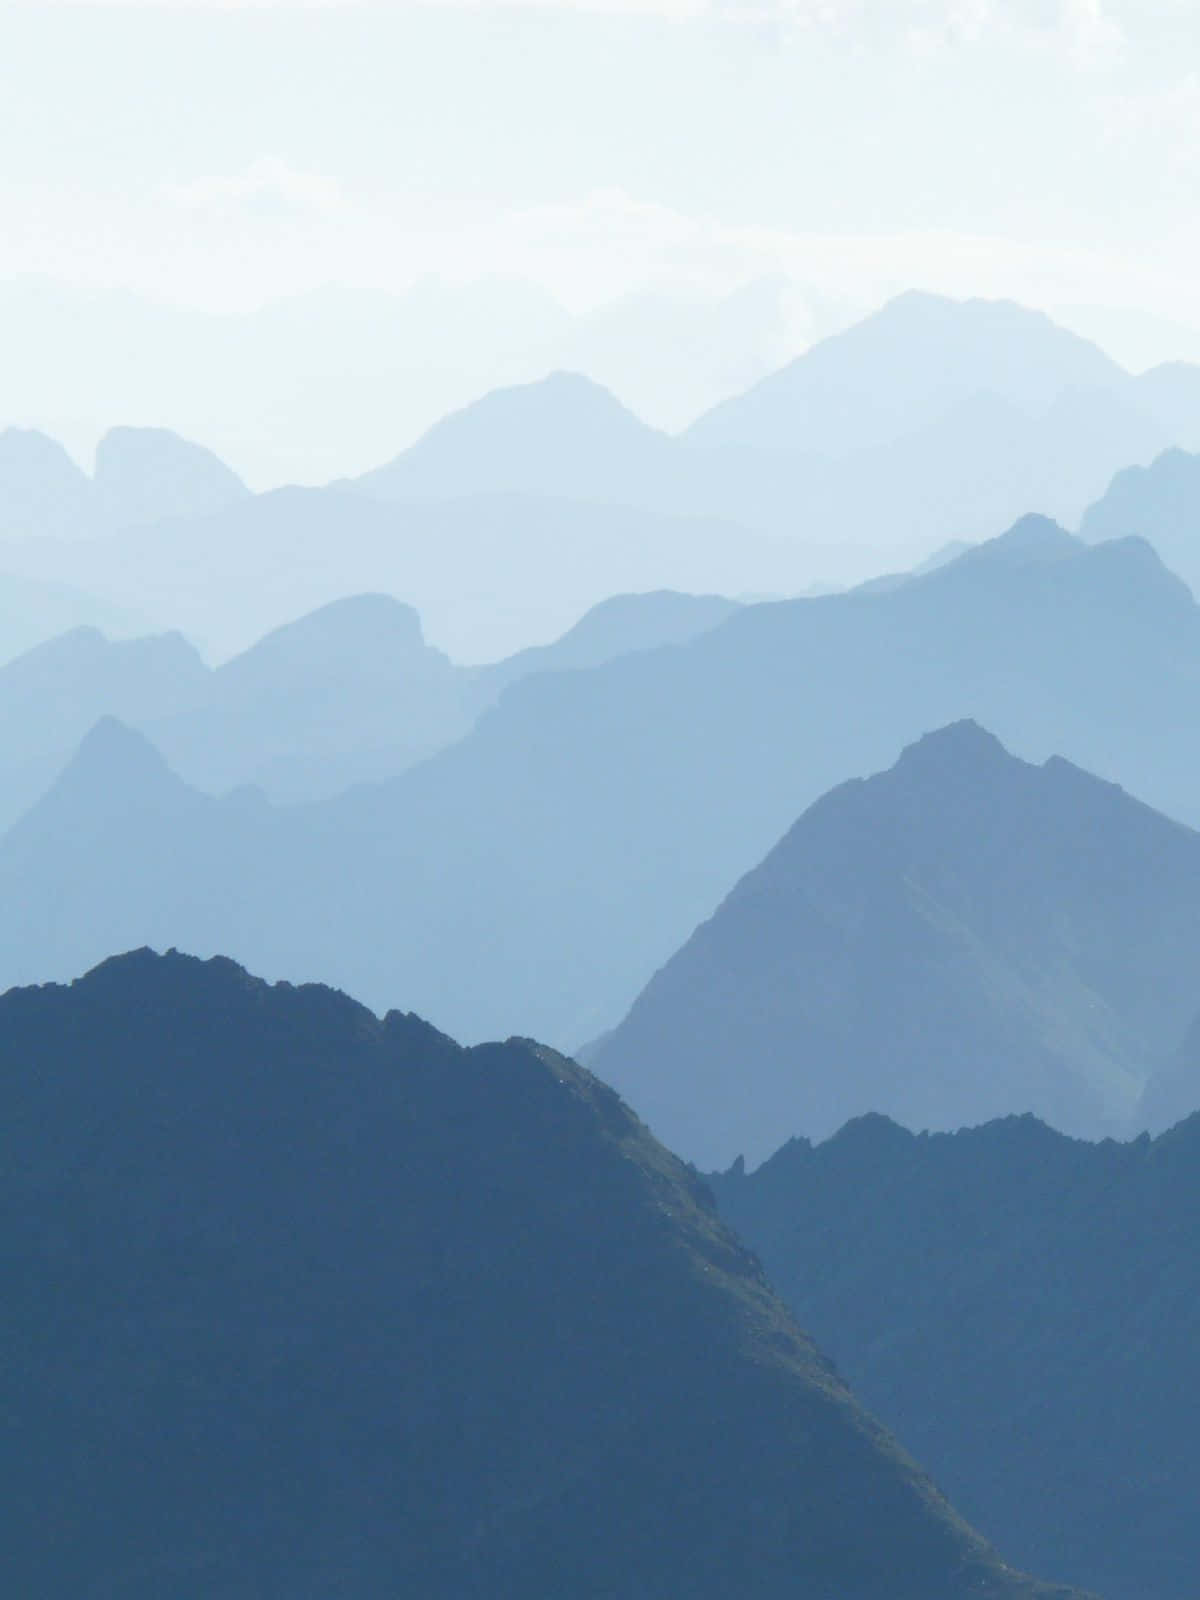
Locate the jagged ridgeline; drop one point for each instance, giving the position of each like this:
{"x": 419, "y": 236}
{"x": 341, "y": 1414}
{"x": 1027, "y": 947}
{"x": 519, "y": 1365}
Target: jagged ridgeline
{"x": 301, "y": 1302}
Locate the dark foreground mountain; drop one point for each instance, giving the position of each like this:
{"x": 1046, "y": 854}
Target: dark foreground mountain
{"x": 535, "y": 875}
{"x": 1022, "y": 1309}
{"x": 301, "y": 1302}
{"x": 960, "y": 937}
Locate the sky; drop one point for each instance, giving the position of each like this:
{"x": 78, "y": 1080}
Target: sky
{"x": 218, "y": 156}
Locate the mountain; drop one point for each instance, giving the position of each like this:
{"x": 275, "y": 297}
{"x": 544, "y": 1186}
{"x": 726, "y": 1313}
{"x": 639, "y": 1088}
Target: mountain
{"x": 42, "y": 491}
{"x": 1172, "y": 1091}
{"x": 932, "y": 420}
{"x": 615, "y": 627}
{"x": 960, "y": 937}
{"x": 52, "y": 695}
{"x": 141, "y": 475}
{"x": 1021, "y": 1308}
{"x": 563, "y": 436}
{"x": 1160, "y": 503}
{"x": 148, "y": 474}
{"x": 904, "y": 367}
{"x": 342, "y": 1307}
{"x": 32, "y": 612}
{"x": 347, "y": 694}
{"x": 534, "y": 875}
{"x": 490, "y": 575}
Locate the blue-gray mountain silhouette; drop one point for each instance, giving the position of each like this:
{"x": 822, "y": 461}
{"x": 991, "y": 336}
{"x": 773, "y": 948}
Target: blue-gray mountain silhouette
{"x": 489, "y": 574}
{"x": 931, "y": 420}
{"x": 961, "y": 937}
{"x": 1021, "y": 1308}
{"x": 302, "y": 1302}
{"x": 141, "y": 475}
{"x": 349, "y": 694}
{"x": 1160, "y": 503}
{"x": 148, "y": 474}
{"x": 564, "y": 849}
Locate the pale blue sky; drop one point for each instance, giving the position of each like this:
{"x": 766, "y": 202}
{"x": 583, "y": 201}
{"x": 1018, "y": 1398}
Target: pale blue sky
{"x": 217, "y": 152}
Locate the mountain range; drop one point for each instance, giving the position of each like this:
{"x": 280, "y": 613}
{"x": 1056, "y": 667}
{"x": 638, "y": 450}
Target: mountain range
{"x": 1021, "y": 1307}
{"x": 301, "y": 1301}
{"x": 349, "y": 694}
{"x": 141, "y": 475}
{"x": 960, "y": 937}
{"x": 567, "y": 846}
{"x": 930, "y": 421}
{"x": 1159, "y": 502}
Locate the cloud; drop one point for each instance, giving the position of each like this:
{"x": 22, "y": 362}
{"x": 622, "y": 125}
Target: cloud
{"x": 268, "y": 189}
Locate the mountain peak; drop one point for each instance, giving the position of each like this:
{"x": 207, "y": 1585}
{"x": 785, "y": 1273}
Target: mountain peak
{"x": 958, "y": 744}
{"x": 112, "y": 756}
{"x": 1031, "y": 538}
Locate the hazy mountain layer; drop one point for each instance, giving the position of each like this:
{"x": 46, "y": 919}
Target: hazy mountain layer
{"x": 302, "y": 1302}
{"x": 349, "y": 694}
{"x": 1161, "y": 503}
{"x": 534, "y": 876}
{"x": 141, "y": 475}
{"x": 957, "y": 938}
{"x": 1021, "y": 1308}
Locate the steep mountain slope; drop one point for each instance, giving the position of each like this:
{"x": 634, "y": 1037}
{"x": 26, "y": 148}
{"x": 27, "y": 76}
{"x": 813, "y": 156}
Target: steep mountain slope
{"x": 1160, "y": 503}
{"x": 1173, "y": 1089}
{"x": 957, "y": 938}
{"x": 534, "y": 875}
{"x": 342, "y": 1307}
{"x": 1022, "y": 1308}
{"x": 148, "y": 474}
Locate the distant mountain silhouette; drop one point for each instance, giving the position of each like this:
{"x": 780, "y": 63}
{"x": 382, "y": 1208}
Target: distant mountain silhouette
{"x": 42, "y": 491}
{"x": 340, "y": 1306}
{"x": 567, "y": 846}
{"x": 33, "y": 612}
{"x": 1160, "y": 503}
{"x": 148, "y": 474}
{"x": 52, "y": 695}
{"x": 1021, "y": 1308}
{"x": 931, "y": 420}
{"x": 348, "y": 694}
{"x": 616, "y": 627}
{"x": 141, "y": 475}
{"x": 563, "y": 436}
{"x": 490, "y": 575}
{"x": 961, "y": 937}
{"x": 902, "y": 368}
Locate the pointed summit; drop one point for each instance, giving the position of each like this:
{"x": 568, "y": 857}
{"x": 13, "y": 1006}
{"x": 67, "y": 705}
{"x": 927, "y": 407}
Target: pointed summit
{"x": 963, "y": 936}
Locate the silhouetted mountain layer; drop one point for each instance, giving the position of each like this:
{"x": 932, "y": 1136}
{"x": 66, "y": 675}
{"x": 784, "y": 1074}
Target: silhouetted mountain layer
{"x": 302, "y": 1302}
{"x": 536, "y": 874}
{"x": 931, "y": 420}
{"x": 1160, "y": 503}
{"x": 348, "y": 694}
{"x": 960, "y": 937}
{"x": 141, "y": 475}
{"x": 33, "y": 612}
{"x": 490, "y": 575}
{"x": 1021, "y": 1308}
